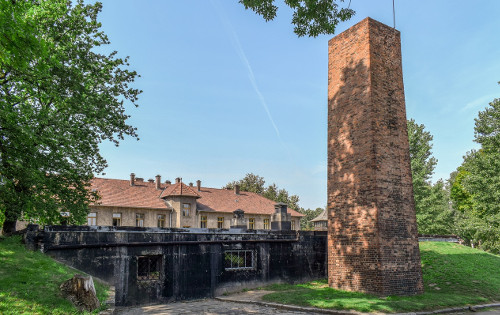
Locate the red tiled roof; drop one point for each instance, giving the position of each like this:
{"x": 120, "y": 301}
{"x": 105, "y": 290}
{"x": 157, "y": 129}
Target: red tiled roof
{"x": 223, "y": 200}
{"x": 119, "y": 193}
{"x": 179, "y": 189}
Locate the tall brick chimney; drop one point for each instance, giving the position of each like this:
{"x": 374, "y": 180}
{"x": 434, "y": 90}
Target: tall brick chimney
{"x": 237, "y": 189}
{"x": 158, "y": 181}
{"x": 198, "y": 184}
{"x": 372, "y": 230}
{"x": 132, "y": 179}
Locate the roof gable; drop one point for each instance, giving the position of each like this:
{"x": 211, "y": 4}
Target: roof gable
{"x": 179, "y": 189}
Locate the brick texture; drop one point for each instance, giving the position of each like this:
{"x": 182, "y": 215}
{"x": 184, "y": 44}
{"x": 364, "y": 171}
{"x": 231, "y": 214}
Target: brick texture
{"x": 372, "y": 230}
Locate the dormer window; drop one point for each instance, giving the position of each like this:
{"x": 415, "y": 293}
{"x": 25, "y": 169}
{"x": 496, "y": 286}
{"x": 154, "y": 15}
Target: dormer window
{"x": 185, "y": 209}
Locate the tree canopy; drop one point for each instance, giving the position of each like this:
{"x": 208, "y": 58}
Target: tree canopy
{"x": 475, "y": 189}
{"x": 431, "y": 201}
{"x": 59, "y": 99}
{"x": 255, "y": 183}
{"x": 310, "y": 17}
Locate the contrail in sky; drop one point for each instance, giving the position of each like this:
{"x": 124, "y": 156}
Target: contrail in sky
{"x": 246, "y": 63}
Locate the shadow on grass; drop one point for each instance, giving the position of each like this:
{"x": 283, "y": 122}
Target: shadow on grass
{"x": 454, "y": 275}
{"x": 29, "y": 281}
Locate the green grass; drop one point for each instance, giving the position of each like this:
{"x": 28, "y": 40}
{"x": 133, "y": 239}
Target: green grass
{"x": 29, "y": 281}
{"x": 454, "y": 275}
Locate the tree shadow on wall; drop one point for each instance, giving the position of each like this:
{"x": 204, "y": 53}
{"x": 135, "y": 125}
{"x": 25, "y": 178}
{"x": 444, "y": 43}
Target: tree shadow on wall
{"x": 361, "y": 147}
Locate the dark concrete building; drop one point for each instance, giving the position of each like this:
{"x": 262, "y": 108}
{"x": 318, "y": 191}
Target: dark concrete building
{"x": 150, "y": 265}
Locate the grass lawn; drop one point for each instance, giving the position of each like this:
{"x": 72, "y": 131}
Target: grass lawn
{"x": 454, "y": 275}
{"x": 29, "y": 281}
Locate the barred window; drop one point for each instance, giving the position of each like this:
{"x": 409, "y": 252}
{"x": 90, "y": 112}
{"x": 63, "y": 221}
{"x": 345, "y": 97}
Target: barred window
{"x": 293, "y": 224}
{"x": 148, "y": 267}
{"x": 239, "y": 260}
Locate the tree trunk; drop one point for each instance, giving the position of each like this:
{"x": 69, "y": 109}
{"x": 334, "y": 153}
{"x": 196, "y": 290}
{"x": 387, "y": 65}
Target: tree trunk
{"x": 8, "y": 227}
{"x": 81, "y": 292}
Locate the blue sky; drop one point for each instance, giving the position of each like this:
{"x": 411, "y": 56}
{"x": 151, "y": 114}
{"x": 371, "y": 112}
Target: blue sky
{"x": 226, "y": 93}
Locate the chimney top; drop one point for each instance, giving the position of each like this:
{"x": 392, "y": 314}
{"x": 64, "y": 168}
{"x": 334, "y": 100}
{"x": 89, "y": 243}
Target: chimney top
{"x": 151, "y": 180}
{"x": 132, "y": 179}
{"x": 158, "y": 181}
{"x": 198, "y": 184}
{"x": 178, "y": 180}
{"x": 168, "y": 182}
{"x": 190, "y": 184}
{"x": 139, "y": 179}
{"x": 237, "y": 189}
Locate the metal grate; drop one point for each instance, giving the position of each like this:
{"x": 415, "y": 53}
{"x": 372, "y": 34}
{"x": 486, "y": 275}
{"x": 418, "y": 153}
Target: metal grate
{"x": 239, "y": 260}
{"x": 148, "y": 267}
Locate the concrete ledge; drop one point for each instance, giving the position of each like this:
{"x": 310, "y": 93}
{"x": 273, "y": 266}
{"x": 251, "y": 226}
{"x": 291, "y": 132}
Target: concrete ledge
{"x": 290, "y": 307}
{"x": 342, "y": 312}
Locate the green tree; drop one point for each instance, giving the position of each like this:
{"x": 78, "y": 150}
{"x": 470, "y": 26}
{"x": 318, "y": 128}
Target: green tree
{"x": 251, "y": 182}
{"x": 255, "y": 183}
{"x": 310, "y": 17}
{"x": 476, "y": 188}
{"x": 422, "y": 162}
{"x": 59, "y": 99}
{"x": 309, "y": 214}
{"x": 434, "y": 215}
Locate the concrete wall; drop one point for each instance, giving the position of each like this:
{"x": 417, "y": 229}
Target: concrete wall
{"x": 192, "y": 260}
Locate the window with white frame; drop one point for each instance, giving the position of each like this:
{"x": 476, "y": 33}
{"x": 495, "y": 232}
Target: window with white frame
{"x": 239, "y": 260}
{"x": 92, "y": 218}
{"x": 139, "y": 219}
{"x": 117, "y": 219}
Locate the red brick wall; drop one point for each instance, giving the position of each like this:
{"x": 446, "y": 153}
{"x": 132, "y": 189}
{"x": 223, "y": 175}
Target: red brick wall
{"x": 372, "y": 233}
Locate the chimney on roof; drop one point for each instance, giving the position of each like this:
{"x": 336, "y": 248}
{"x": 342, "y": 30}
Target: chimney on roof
{"x": 190, "y": 184}
{"x": 237, "y": 189}
{"x": 168, "y": 182}
{"x": 132, "y": 179}
{"x": 158, "y": 181}
{"x": 198, "y": 184}
{"x": 139, "y": 179}
{"x": 151, "y": 180}
{"x": 177, "y": 180}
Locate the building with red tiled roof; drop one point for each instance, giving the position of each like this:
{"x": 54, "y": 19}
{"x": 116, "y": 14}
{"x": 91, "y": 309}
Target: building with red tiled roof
{"x": 151, "y": 203}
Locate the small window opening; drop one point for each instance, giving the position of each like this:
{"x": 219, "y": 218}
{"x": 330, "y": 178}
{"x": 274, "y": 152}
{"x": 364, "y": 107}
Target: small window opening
{"x": 203, "y": 221}
{"x": 148, "y": 268}
{"x": 92, "y": 218}
{"x": 251, "y": 224}
{"x": 117, "y": 219}
{"x": 161, "y": 220}
{"x": 139, "y": 219}
{"x": 266, "y": 224}
{"x": 239, "y": 260}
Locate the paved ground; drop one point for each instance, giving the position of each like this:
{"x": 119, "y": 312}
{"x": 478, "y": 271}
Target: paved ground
{"x": 207, "y": 307}
{"x": 226, "y": 305}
